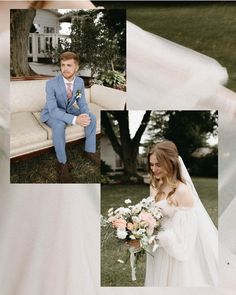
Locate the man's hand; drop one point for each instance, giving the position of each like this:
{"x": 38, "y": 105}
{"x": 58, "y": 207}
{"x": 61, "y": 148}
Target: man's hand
{"x": 83, "y": 120}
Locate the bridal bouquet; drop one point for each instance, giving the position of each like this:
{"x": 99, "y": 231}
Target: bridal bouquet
{"x": 139, "y": 222}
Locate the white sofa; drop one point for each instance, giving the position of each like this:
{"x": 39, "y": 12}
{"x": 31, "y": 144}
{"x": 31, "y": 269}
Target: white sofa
{"x": 27, "y": 99}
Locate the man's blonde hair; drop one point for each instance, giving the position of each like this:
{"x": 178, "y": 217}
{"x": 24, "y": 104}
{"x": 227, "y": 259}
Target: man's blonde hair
{"x": 69, "y": 55}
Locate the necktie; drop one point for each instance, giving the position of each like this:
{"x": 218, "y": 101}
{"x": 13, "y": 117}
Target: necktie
{"x": 69, "y": 90}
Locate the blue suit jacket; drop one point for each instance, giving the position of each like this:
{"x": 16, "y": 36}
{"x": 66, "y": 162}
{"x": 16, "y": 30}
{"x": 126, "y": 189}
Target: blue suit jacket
{"x": 57, "y": 105}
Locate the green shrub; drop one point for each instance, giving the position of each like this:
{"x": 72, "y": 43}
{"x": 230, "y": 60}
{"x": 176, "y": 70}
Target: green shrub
{"x": 112, "y": 79}
{"x": 106, "y": 180}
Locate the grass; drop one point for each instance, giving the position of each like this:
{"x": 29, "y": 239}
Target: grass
{"x": 205, "y": 27}
{"x": 42, "y": 169}
{"x": 114, "y": 273}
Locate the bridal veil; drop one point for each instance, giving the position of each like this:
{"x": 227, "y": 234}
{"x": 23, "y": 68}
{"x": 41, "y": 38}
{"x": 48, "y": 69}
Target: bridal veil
{"x": 207, "y": 236}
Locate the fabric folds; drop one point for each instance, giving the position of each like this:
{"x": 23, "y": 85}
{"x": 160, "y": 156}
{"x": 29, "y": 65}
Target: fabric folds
{"x": 179, "y": 239}
{"x": 181, "y": 260}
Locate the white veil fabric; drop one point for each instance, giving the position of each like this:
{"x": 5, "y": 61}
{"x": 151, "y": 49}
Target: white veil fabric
{"x": 227, "y": 243}
{"x": 49, "y": 239}
{"x": 163, "y": 75}
{"x": 207, "y": 235}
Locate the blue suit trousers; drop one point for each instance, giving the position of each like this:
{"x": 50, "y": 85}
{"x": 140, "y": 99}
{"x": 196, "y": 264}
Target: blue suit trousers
{"x": 59, "y": 141}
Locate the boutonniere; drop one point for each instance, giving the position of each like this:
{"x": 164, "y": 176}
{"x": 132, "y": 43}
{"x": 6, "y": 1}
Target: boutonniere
{"x": 78, "y": 95}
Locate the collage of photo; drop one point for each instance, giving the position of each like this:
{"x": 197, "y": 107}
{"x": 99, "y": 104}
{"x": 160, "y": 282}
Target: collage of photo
{"x": 117, "y": 147}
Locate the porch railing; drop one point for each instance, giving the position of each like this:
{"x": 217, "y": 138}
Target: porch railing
{"x": 39, "y": 45}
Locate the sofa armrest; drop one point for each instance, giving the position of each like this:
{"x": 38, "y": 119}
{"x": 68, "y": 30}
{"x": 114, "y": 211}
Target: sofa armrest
{"x": 108, "y": 98}
{"x": 87, "y": 95}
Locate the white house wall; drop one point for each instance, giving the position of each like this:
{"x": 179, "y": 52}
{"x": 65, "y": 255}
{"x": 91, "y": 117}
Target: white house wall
{"x": 46, "y": 18}
{"x": 107, "y": 153}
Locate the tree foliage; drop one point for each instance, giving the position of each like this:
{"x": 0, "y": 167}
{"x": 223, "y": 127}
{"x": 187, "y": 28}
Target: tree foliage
{"x": 189, "y": 130}
{"x": 98, "y": 36}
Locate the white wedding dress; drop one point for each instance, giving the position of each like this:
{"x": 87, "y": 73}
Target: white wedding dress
{"x": 49, "y": 234}
{"x": 180, "y": 259}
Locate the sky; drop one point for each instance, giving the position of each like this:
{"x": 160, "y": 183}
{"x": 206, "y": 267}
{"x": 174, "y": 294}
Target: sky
{"x": 135, "y": 118}
{"x": 65, "y": 27}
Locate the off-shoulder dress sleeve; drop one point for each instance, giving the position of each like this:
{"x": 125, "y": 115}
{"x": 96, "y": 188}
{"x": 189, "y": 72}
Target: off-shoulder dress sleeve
{"x": 179, "y": 238}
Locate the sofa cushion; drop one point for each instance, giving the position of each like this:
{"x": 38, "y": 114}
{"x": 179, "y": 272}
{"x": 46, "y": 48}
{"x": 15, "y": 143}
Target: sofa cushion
{"x": 108, "y": 98}
{"x": 96, "y": 110}
{"x": 27, "y": 95}
{"x": 87, "y": 94}
{"x": 25, "y": 130}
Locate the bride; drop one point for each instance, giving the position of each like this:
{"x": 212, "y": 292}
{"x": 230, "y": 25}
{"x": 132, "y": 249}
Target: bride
{"x": 185, "y": 258}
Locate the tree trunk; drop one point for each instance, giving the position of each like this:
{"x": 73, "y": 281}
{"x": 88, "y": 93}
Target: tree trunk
{"x": 130, "y": 162}
{"x": 21, "y": 22}
{"x": 125, "y": 147}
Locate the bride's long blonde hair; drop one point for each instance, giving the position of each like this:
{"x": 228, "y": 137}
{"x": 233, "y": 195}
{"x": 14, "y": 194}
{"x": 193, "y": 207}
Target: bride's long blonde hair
{"x": 167, "y": 156}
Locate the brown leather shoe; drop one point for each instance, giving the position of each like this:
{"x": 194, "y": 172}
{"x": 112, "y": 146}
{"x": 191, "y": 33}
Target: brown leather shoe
{"x": 70, "y": 167}
{"x": 63, "y": 175}
{"x": 93, "y": 158}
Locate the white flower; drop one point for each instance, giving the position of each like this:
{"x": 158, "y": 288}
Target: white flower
{"x": 111, "y": 218}
{"x": 122, "y": 211}
{"x": 147, "y": 202}
{"x": 136, "y": 219}
{"x": 121, "y": 234}
{"x": 120, "y": 261}
{"x": 132, "y": 237}
{"x": 128, "y": 201}
{"x": 141, "y": 231}
{"x": 136, "y": 209}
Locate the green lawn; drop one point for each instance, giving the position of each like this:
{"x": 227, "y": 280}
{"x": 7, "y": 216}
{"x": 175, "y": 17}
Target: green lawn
{"x": 209, "y": 28}
{"x": 114, "y": 273}
{"x": 42, "y": 169}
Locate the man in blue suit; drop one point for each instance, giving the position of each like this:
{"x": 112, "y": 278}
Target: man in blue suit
{"x": 62, "y": 92}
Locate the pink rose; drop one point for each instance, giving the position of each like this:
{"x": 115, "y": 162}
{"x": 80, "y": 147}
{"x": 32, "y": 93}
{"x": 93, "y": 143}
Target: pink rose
{"x": 147, "y": 217}
{"x": 119, "y": 223}
{"x": 130, "y": 226}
